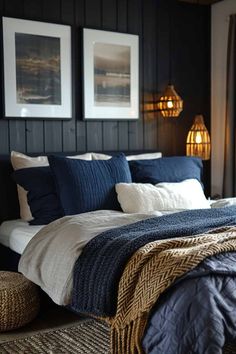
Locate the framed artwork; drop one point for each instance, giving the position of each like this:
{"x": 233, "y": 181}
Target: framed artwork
{"x": 111, "y": 82}
{"x": 37, "y": 69}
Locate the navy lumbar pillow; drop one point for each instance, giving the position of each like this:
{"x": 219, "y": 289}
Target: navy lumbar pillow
{"x": 42, "y": 195}
{"x": 166, "y": 169}
{"x": 89, "y": 185}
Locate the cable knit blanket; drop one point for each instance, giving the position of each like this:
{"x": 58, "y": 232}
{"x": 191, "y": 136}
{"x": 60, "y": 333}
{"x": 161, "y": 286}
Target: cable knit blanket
{"x": 162, "y": 255}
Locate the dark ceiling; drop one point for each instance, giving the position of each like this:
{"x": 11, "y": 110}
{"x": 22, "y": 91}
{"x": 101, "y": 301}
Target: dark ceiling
{"x": 202, "y": 2}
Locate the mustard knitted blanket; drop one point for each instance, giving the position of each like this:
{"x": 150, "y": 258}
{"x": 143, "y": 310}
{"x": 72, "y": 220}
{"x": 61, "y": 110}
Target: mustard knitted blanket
{"x": 150, "y": 271}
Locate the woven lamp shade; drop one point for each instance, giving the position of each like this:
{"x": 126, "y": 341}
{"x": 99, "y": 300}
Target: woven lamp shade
{"x": 170, "y": 103}
{"x": 198, "y": 140}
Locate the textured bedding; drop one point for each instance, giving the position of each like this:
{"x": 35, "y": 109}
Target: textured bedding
{"x": 109, "y": 253}
{"x": 49, "y": 260}
{"x": 99, "y": 269}
{"x": 16, "y": 234}
{"x": 198, "y": 314}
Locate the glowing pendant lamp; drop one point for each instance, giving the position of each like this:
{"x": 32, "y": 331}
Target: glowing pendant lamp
{"x": 170, "y": 103}
{"x": 198, "y": 140}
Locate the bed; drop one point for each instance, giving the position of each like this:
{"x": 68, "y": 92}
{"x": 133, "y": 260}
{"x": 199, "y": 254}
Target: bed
{"x": 170, "y": 275}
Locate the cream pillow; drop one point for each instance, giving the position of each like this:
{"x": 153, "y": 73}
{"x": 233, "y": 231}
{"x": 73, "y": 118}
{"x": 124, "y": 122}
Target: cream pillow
{"x": 144, "y": 197}
{"x": 223, "y": 203}
{"x": 19, "y": 161}
{"x": 87, "y": 156}
{"x": 147, "y": 156}
{"x": 98, "y": 156}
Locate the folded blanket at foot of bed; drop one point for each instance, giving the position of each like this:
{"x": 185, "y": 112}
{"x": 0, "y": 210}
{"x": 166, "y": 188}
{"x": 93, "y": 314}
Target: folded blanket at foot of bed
{"x": 161, "y": 255}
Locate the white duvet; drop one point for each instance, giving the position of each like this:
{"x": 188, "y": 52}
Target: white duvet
{"x": 49, "y": 258}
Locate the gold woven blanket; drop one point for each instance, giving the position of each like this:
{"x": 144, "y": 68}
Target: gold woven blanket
{"x": 151, "y": 270}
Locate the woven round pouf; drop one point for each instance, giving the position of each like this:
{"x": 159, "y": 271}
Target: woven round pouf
{"x": 19, "y": 300}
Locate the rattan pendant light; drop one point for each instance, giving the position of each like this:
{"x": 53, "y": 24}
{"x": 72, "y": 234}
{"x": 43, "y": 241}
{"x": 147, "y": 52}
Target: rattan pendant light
{"x": 198, "y": 140}
{"x": 170, "y": 104}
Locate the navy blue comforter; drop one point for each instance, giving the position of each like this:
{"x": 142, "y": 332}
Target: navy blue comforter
{"x": 196, "y": 315}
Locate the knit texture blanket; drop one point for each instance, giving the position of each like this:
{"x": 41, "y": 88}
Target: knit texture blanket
{"x": 164, "y": 253}
{"x": 149, "y": 273}
{"x": 98, "y": 270}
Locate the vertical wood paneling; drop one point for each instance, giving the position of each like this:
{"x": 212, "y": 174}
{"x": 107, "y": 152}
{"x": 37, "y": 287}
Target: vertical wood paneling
{"x": 109, "y": 22}
{"x": 122, "y": 15}
{"x": 34, "y": 136}
{"x": 51, "y": 11}
{"x": 93, "y": 19}
{"x": 110, "y": 136}
{"x": 81, "y": 126}
{"x": 17, "y": 138}
{"x": 81, "y": 136}
{"x": 150, "y": 20}
{"x": 109, "y": 15}
{"x": 4, "y": 125}
{"x": 180, "y": 59}
{"x": 164, "y": 132}
{"x": 123, "y": 136}
{"x": 122, "y": 24}
{"x": 135, "y": 24}
{"x": 94, "y": 135}
{"x": 69, "y": 127}
{"x": 149, "y": 67}
{"x": 33, "y": 9}
{"x": 13, "y": 8}
{"x": 4, "y": 137}
{"x": 35, "y": 128}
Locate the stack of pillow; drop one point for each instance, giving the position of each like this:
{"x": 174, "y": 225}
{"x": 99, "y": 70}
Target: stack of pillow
{"x": 54, "y": 186}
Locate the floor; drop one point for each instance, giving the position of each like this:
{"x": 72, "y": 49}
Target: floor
{"x": 49, "y": 317}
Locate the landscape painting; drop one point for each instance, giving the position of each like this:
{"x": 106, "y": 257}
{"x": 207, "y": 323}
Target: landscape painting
{"x": 111, "y": 75}
{"x": 37, "y": 69}
{"x": 38, "y": 74}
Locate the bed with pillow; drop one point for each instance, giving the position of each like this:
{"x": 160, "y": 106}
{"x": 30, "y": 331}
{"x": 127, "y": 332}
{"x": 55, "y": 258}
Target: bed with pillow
{"x": 131, "y": 240}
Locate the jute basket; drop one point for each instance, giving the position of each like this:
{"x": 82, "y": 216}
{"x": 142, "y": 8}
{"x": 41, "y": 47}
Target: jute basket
{"x": 19, "y": 300}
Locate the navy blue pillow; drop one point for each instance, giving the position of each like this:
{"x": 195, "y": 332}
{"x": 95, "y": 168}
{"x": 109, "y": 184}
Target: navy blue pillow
{"x": 166, "y": 169}
{"x": 42, "y": 195}
{"x": 89, "y": 185}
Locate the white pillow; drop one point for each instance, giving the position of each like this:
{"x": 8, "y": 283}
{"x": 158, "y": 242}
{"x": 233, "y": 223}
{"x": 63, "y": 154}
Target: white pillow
{"x": 19, "y": 161}
{"x": 87, "y": 156}
{"x": 223, "y": 203}
{"x": 98, "y": 156}
{"x": 147, "y": 156}
{"x": 144, "y": 197}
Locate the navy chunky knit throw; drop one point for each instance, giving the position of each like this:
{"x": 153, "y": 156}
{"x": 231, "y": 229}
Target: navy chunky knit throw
{"x": 99, "y": 268}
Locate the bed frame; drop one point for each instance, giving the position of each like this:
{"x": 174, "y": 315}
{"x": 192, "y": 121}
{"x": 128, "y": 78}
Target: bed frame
{"x": 9, "y": 205}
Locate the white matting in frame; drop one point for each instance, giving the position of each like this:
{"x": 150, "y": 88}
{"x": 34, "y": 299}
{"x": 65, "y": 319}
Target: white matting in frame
{"x": 37, "y": 69}
{"x": 111, "y": 75}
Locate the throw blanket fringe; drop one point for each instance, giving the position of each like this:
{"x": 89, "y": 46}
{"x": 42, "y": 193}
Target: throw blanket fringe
{"x": 151, "y": 270}
{"x": 127, "y": 339}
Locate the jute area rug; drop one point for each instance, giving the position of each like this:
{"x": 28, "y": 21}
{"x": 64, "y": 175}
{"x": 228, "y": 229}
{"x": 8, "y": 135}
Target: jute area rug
{"x": 89, "y": 337}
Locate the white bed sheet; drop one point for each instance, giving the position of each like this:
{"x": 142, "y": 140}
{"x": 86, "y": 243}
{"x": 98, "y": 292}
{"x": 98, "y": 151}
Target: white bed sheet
{"x": 16, "y": 234}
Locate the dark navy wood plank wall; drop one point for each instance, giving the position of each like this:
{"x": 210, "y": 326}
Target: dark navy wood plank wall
{"x": 190, "y": 58}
